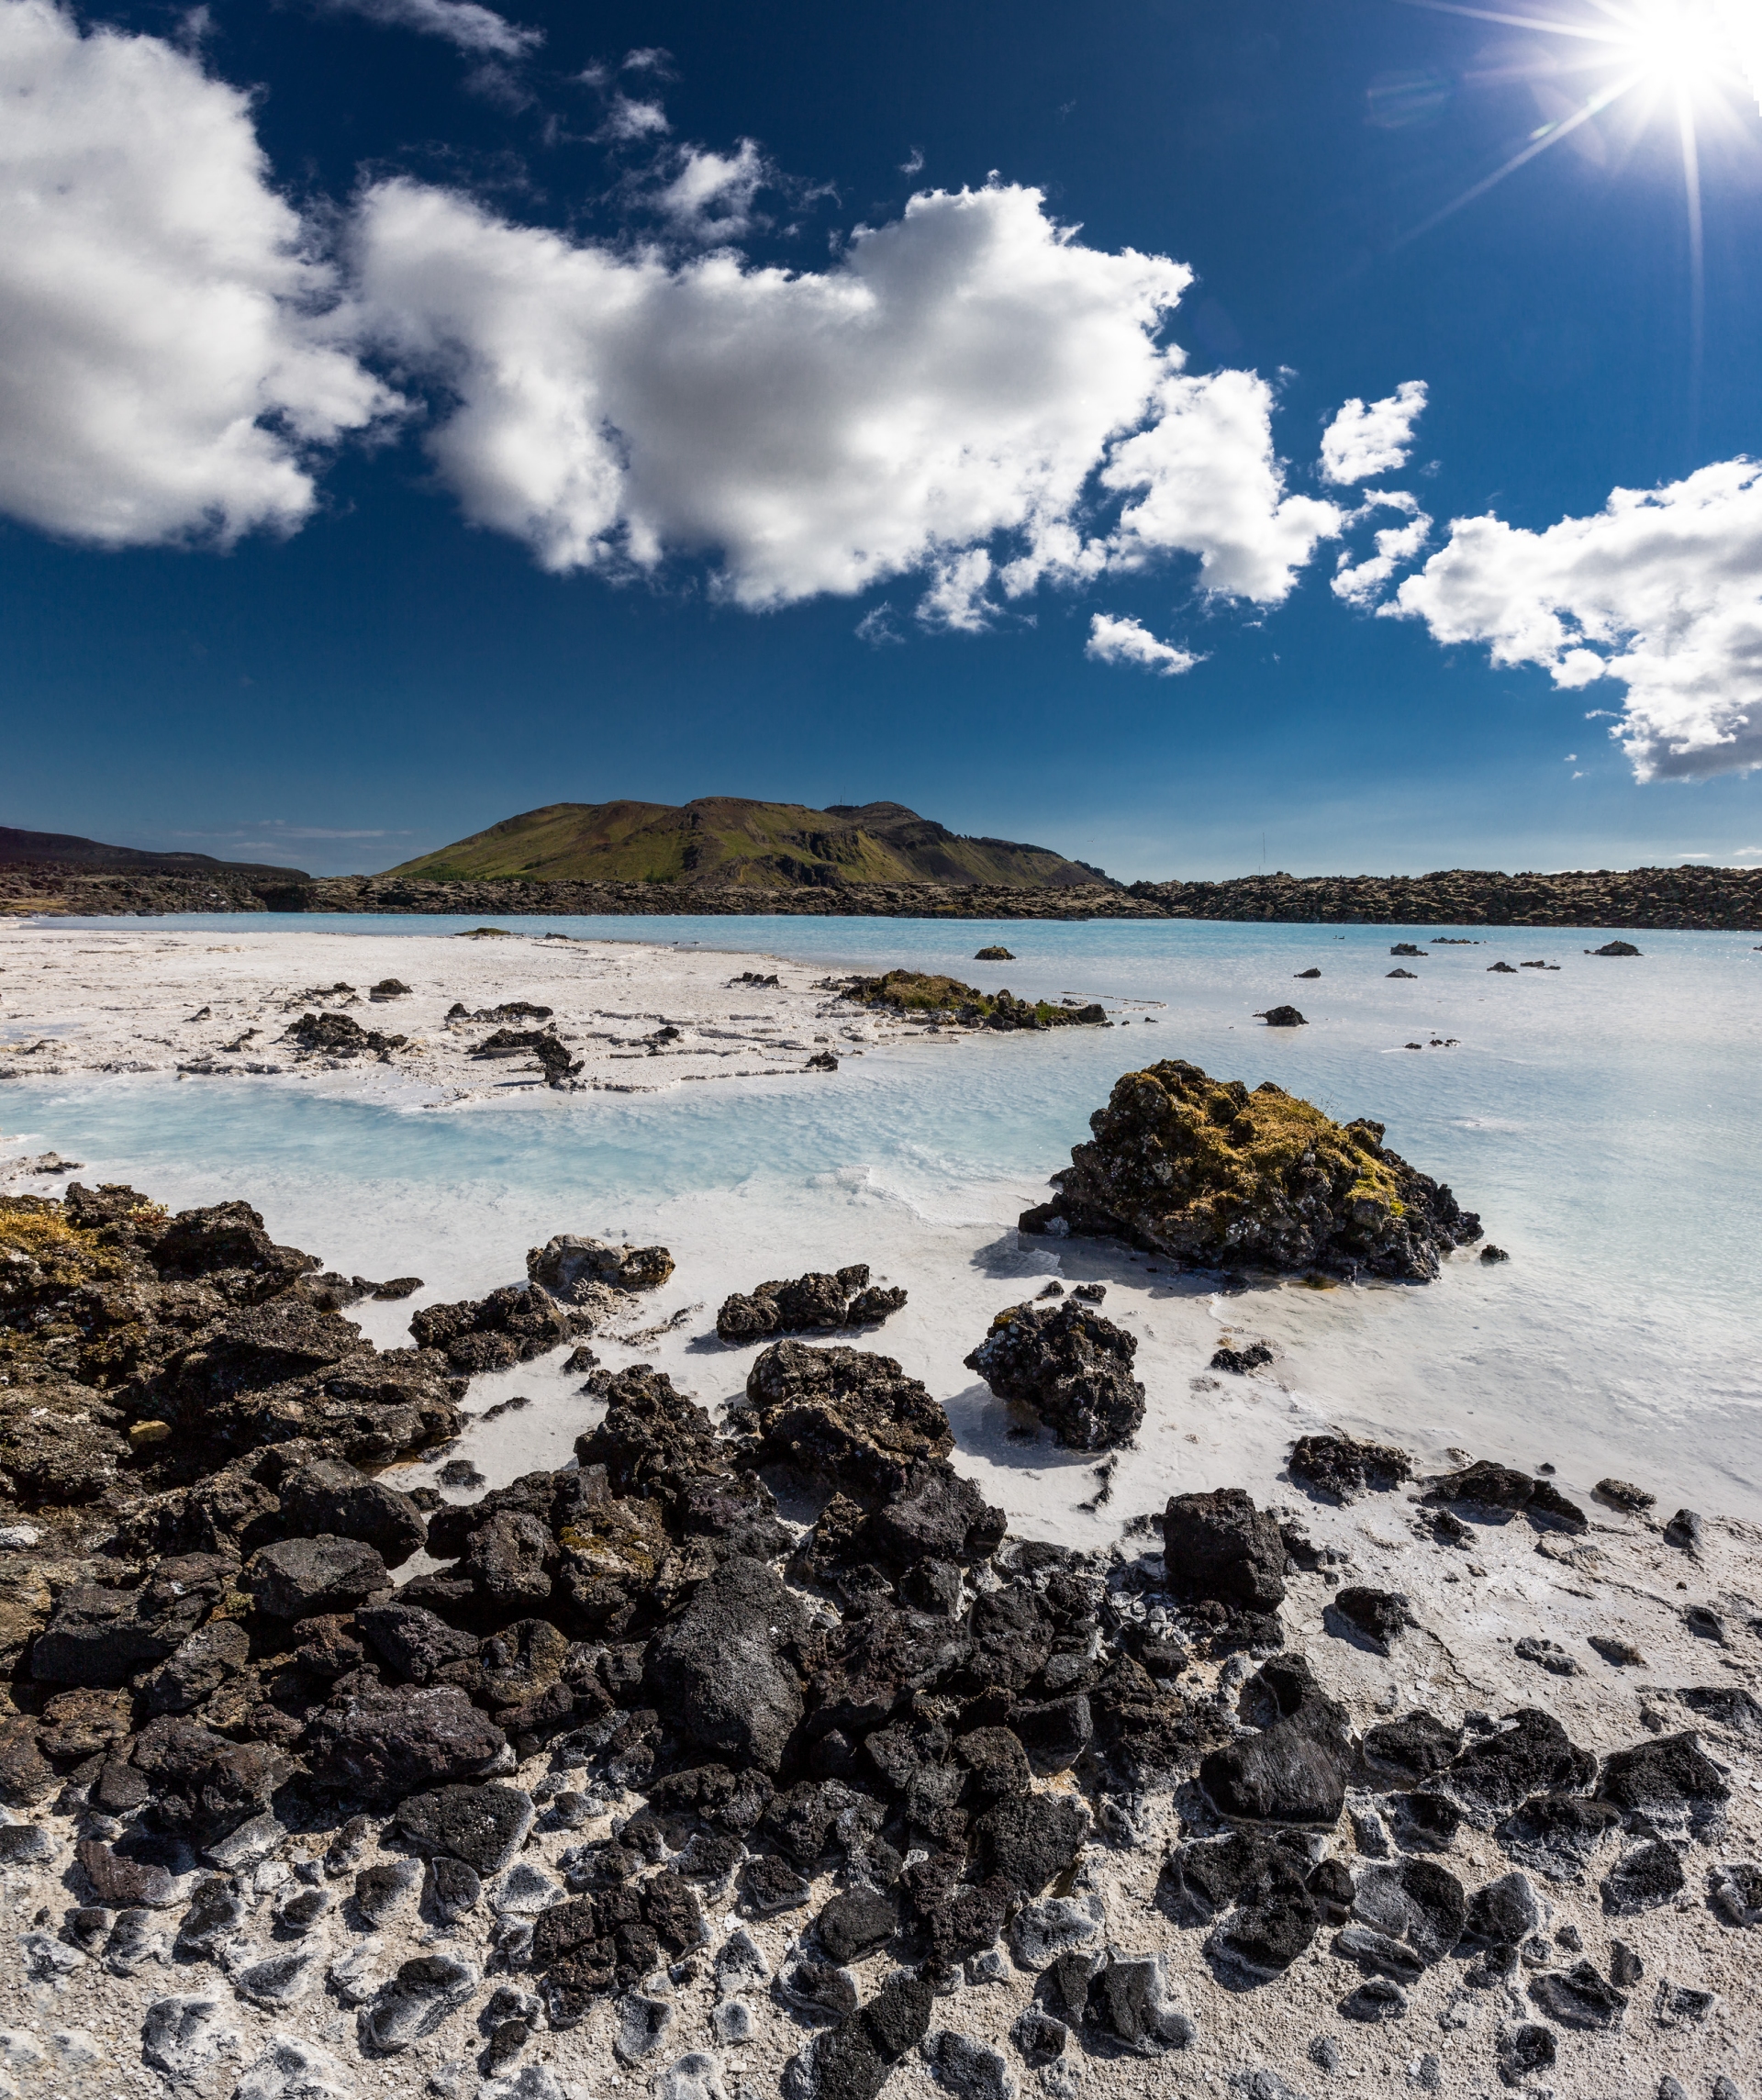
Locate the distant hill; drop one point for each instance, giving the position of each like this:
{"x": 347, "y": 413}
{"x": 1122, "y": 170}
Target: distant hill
{"x": 63, "y": 849}
{"x": 723, "y": 841}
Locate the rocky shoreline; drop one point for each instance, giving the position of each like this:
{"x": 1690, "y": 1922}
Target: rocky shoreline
{"x": 1687, "y": 898}
{"x": 750, "y": 1756}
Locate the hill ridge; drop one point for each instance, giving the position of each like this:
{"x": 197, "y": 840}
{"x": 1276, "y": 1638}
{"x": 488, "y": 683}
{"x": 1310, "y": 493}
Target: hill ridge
{"x": 67, "y": 849}
{"x": 731, "y": 841}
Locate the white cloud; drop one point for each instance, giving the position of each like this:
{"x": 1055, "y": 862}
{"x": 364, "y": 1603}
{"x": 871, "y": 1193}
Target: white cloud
{"x": 957, "y": 598}
{"x": 709, "y": 199}
{"x": 1115, "y": 641}
{"x": 1362, "y": 441}
{"x": 627, "y": 119}
{"x": 168, "y": 347}
{"x": 876, "y": 627}
{"x": 473, "y": 29}
{"x": 1662, "y": 590}
{"x": 1212, "y": 486}
{"x": 1361, "y": 582}
{"x": 966, "y": 391}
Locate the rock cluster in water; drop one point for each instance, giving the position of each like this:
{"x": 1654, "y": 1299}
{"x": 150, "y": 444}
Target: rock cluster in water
{"x": 947, "y": 999}
{"x": 1206, "y": 1172}
{"x": 638, "y": 1779}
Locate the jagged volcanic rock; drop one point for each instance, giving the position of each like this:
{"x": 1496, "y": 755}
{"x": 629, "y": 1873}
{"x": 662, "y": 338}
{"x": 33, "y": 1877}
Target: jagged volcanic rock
{"x": 1205, "y": 1172}
{"x": 815, "y": 1301}
{"x": 1071, "y": 1366}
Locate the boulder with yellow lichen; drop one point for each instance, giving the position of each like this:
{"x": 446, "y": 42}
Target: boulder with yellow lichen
{"x": 1213, "y": 1176}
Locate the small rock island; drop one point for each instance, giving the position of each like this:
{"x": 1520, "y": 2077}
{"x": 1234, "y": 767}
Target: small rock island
{"x": 1213, "y": 1176}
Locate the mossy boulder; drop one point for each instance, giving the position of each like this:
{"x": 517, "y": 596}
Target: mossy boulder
{"x": 944, "y": 999}
{"x": 1210, "y": 1174}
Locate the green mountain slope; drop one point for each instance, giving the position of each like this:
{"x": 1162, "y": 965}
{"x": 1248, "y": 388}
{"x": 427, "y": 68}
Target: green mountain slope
{"x": 723, "y": 840}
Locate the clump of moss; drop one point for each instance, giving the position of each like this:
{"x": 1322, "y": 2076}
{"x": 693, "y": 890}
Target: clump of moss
{"x": 944, "y": 999}
{"x": 33, "y": 1229}
{"x": 1210, "y": 1174}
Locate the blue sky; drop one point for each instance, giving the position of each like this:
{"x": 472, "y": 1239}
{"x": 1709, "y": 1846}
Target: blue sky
{"x": 411, "y": 414}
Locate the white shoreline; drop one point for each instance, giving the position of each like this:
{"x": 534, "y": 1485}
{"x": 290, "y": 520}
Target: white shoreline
{"x": 101, "y": 1012}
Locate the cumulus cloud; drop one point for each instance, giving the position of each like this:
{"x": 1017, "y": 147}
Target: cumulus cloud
{"x": 1362, "y": 441}
{"x": 968, "y": 395}
{"x": 1660, "y": 590}
{"x": 473, "y": 29}
{"x": 169, "y": 348}
{"x": 1207, "y": 482}
{"x": 968, "y": 391}
{"x": 1113, "y": 640}
{"x": 1362, "y": 583}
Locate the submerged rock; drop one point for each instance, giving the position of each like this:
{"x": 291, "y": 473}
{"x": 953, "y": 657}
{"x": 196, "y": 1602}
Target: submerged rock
{"x": 1071, "y": 1367}
{"x": 576, "y": 1270}
{"x": 1210, "y": 1174}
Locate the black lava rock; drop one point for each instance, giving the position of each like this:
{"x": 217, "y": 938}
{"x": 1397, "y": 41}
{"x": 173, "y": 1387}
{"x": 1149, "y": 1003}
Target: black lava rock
{"x": 1071, "y": 1366}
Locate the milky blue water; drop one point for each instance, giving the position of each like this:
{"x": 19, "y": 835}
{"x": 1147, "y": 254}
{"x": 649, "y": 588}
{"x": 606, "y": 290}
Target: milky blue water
{"x": 1604, "y": 1119}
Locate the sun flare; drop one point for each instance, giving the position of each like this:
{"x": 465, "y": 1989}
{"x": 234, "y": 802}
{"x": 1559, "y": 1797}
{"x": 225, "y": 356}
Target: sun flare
{"x": 1680, "y": 44}
{"x": 1688, "y": 62}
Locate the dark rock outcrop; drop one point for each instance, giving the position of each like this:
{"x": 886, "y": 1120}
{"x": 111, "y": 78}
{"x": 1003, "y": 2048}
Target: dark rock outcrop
{"x": 384, "y": 1745}
{"x": 1210, "y": 1174}
{"x": 512, "y": 1325}
{"x": 817, "y": 1302}
{"x": 844, "y": 1417}
{"x": 1344, "y": 1468}
{"x": 720, "y": 1671}
{"x": 332, "y": 1496}
{"x": 1220, "y": 1547}
{"x": 1070, "y": 1366}
{"x": 573, "y": 1269}
{"x": 1295, "y": 1769}
{"x": 1493, "y": 1488}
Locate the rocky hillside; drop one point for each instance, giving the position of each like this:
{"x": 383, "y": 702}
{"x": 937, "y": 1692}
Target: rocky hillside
{"x": 64, "y": 850}
{"x": 722, "y": 840}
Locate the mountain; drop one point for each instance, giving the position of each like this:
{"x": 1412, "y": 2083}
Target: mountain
{"x": 63, "y": 849}
{"x": 723, "y": 841}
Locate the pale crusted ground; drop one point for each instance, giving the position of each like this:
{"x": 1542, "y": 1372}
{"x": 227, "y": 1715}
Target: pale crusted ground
{"x": 75, "y": 2027}
{"x": 138, "y": 1001}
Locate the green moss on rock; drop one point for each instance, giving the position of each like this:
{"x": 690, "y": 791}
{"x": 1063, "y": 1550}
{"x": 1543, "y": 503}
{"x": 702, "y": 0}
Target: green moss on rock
{"x": 944, "y": 999}
{"x": 1210, "y": 1174}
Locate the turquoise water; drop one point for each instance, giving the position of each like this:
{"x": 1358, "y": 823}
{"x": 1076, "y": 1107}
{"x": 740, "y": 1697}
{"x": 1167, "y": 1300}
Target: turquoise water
{"x": 1604, "y": 1119}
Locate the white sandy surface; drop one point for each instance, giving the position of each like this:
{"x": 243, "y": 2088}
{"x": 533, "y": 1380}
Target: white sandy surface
{"x": 75, "y": 1001}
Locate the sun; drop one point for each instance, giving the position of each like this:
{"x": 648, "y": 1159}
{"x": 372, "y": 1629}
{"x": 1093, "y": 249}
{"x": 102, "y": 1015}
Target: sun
{"x": 1681, "y": 44}
{"x": 1684, "y": 61}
